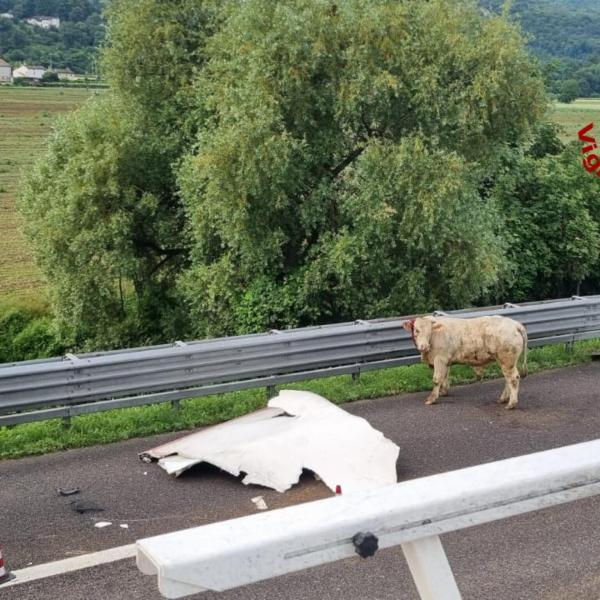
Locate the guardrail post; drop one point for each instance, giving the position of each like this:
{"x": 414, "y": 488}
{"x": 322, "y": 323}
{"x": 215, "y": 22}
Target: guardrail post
{"x": 176, "y": 404}
{"x": 356, "y": 377}
{"x": 430, "y": 569}
{"x": 271, "y": 392}
{"x": 76, "y": 361}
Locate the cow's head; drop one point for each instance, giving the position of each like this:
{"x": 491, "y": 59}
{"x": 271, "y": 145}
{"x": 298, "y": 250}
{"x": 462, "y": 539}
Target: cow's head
{"x": 421, "y": 330}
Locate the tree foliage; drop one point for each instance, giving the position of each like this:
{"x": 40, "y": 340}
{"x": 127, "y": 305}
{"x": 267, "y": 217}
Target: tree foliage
{"x": 101, "y": 218}
{"x": 552, "y": 215}
{"x": 269, "y": 164}
{"x": 313, "y": 108}
{"x": 102, "y": 207}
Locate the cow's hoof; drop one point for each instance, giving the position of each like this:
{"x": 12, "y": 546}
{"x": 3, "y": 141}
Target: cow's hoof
{"x": 511, "y": 405}
{"x": 502, "y": 400}
{"x": 430, "y": 401}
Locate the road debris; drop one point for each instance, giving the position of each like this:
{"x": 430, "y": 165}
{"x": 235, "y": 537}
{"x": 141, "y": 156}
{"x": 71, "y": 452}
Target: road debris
{"x": 298, "y": 430}
{"x": 101, "y": 524}
{"x": 68, "y": 491}
{"x": 260, "y": 503}
{"x": 83, "y": 506}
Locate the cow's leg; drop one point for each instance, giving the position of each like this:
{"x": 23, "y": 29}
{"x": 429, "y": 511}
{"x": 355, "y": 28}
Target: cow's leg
{"x": 504, "y": 396}
{"x": 511, "y": 374}
{"x": 440, "y": 373}
{"x": 445, "y": 386}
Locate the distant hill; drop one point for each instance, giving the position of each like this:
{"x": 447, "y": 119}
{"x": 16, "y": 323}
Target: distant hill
{"x": 73, "y": 44}
{"x": 560, "y": 28}
{"x": 565, "y": 35}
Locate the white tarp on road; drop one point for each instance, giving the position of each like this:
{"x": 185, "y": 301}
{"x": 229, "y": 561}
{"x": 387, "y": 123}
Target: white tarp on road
{"x": 299, "y": 430}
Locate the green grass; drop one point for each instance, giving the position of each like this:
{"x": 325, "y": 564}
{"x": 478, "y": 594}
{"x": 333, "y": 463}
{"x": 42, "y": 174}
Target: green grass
{"x": 102, "y": 428}
{"x": 576, "y": 115}
{"x": 26, "y": 118}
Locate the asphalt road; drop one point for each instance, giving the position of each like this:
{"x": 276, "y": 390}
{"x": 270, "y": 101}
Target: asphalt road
{"x": 553, "y": 554}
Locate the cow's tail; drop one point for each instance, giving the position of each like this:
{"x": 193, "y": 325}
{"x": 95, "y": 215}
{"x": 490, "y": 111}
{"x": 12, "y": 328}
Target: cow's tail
{"x": 523, "y": 333}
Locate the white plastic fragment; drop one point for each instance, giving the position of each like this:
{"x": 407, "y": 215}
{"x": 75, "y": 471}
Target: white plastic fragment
{"x": 260, "y": 503}
{"x": 101, "y": 524}
{"x": 299, "y": 430}
{"x": 124, "y": 526}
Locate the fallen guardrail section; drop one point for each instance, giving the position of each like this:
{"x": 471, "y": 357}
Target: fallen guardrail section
{"x": 412, "y": 514}
{"x": 86, "y": 383}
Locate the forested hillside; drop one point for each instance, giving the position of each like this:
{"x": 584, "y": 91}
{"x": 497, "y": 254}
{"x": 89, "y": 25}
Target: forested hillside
{"x": 72, "y": 45}
{"x": 565, "y": 35}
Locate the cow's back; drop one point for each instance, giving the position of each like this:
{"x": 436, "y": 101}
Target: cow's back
{"x": 477, "y": 341}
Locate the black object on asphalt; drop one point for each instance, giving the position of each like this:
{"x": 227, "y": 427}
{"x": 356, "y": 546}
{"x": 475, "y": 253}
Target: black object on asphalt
{"x": 68, "y": 491}
{"x": 83, "y": 506}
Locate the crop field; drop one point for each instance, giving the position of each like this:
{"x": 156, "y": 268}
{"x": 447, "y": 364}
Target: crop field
{"x": 577, "y": 115}
{"x": 26, "y": 118}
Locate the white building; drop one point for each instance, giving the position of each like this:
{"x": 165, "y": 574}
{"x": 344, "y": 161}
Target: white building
{"x": 5, "y": 72}
{"x": 44, "y": 22}
{"x": 67, "y": 74}
{"x": 26, "y": 72}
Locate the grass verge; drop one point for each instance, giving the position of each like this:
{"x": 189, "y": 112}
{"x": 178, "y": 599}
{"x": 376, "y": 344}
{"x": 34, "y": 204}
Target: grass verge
{"x": 102, "y": 428}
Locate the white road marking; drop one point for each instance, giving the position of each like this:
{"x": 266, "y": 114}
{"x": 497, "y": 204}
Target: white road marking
{"x": 67, "y": 565}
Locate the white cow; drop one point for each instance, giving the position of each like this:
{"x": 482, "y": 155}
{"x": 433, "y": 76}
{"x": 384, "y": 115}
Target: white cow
{"x": 443, "y": 341}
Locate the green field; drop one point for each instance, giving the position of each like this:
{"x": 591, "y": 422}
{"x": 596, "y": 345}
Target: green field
{"x": 26, "y": 118}
{"x": 576, "y": 115}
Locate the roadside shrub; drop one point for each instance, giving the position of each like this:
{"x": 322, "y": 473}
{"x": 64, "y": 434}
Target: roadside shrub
{"x": 36, "y": 340}
{"x": 26, "y": 333}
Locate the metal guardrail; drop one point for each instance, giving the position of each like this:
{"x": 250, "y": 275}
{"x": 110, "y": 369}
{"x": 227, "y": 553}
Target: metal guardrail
{"x": 87, "y": 383}
{"x": 413, "y": 514}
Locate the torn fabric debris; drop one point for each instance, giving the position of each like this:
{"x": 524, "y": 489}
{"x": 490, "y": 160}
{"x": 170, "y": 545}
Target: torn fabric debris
{"x": 299, "y": 430}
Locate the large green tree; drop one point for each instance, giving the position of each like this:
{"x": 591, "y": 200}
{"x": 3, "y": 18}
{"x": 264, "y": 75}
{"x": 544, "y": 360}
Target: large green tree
{"x": 551, "y": 208}
{"x": 261, "y": 164}
{"x": 102, "y": 208}
{"x": 336, "y": 176}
